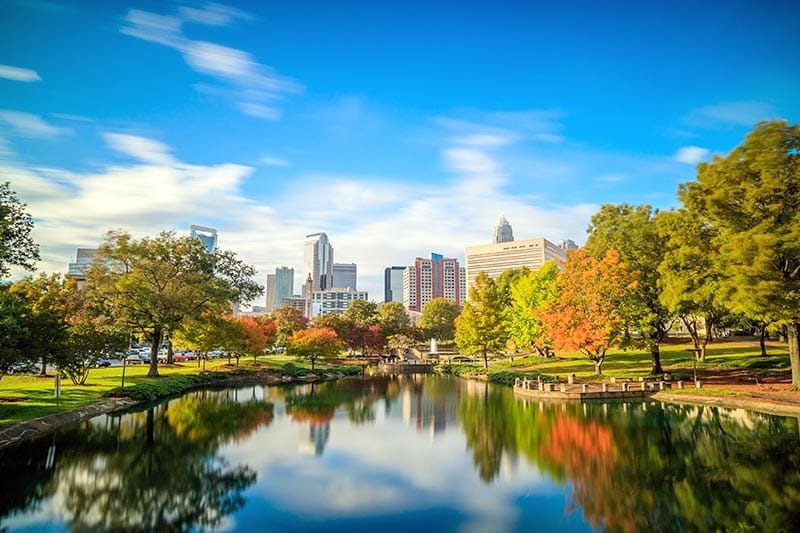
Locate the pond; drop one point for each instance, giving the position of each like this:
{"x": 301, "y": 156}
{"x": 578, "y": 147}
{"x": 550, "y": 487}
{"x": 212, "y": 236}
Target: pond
{"x": 399, "y": 452}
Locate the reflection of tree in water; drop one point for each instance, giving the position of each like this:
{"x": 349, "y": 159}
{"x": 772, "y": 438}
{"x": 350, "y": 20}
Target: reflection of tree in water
{"x": 660, "y": 469}
{"x": 485, "y": 420}
{"x": 317, "y": 403}
{"x": 151, "y": 473}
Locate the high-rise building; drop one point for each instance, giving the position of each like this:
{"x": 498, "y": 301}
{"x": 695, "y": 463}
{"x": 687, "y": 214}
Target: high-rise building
{"x": 336, "y": 301}
{"x": 269, "y": 301}
{"x": 308, "y": 296}
{"x": 84, "y": 258}
{"x": 567, "y": 245}
{"x": 494, "y": 259}
{"x": 344, "y": 276}
{"x": 503, "y": 231}
{"x": 393, "y": 284}
{"x": 318, "y": 261}
{"x": 437, "y": 277}
{"x": 279, "y": 286}
{"x": 208, "y": 236}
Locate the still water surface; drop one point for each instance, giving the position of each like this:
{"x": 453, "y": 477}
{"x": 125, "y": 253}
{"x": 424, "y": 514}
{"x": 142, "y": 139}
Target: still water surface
{"x": 396, "y": 453}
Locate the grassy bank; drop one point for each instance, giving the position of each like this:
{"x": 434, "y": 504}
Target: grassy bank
{"x": 675, "y": 359}
{"x": 27, "y": 396}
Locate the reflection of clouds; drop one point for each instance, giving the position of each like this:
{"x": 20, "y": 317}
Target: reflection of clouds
{"x": 402, "y": 471}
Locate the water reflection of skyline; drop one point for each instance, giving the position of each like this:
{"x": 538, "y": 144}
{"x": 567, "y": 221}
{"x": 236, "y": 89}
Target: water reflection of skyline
{"x": 394, "y": 451}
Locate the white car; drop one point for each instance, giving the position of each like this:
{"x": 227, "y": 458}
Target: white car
{"x": 134, "y": 360}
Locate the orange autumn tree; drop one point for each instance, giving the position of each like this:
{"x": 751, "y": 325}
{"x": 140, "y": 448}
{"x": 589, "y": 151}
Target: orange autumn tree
{"x": 590, "y": 312}
{"x": 259, "y": 333}
{"x": 314, "y": 343}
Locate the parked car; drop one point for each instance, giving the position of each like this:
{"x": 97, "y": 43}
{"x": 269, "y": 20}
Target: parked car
{"x": 134, "y": 359}
{"x": 102, "y": 362}
{"x": 24, "y": 367}
{"x": 179, "y": 357}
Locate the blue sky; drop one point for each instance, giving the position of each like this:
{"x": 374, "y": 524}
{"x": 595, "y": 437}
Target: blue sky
{"x": 397, "y": 128}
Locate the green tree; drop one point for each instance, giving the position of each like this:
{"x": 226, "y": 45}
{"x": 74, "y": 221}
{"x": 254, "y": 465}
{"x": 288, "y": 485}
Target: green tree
{"x": 633, "y": 233}
{"x": 529, "y": 296}
{"x": 337, "y": 323}
{"x": 393, "y": 318}
{"x": 751, "y": 199}
{"x": 14, "y": 332}
{"x": 314, "y": 343}
{"x": 507, "y": 279}
{"x": 287, "y": 321}
{"x": 438, "y": 319}
{"x": 689, "y": 279}
{"x": 156, "y": 284}
{"x": 480, "y": 329}
{"x": 44, "y": 318}
{"x": 16, "y": 245}
{"x": 91, "y": 333}
{"x": 362, "y": 312}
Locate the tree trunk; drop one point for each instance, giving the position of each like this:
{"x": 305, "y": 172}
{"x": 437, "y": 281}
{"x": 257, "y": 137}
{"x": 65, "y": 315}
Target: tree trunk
{"x": 598, "y": 367}
{"x": 762, "y": 339}
{"x": 710, "y": 324}
{"x": 655, "y": 355}
{"x": 793, "y": 335}
{"x": 170, "y": 354}
{"x": 691, "y": 327}
{"x": 156, "y": 340}
{"x": 43, "y": 371}
{"x": 485, "y": 360}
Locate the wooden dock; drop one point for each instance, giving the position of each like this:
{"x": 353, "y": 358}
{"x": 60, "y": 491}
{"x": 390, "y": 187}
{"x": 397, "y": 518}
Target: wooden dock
{"x": 410, "y": 367}
{"x": 591, "y": 391}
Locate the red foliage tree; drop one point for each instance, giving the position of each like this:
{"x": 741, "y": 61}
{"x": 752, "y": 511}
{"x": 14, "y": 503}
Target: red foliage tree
{"x": 313, "y": 343}
{"x": 590, "y": 313}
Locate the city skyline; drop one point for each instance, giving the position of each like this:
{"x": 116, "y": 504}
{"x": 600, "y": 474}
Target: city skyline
{"x": 395, "y": 130}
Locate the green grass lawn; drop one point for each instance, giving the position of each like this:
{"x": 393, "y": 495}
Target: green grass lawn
{"x": 25, "y": 397}
{"x": 675, "y": 358}
{"x": 28, "y": 396}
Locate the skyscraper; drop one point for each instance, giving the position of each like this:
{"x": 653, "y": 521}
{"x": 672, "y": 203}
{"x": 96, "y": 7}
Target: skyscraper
{"x": 437, "y": 277}
{"x": 318, "y": 261}
{"x": 393, "y": 284}
{"x": 502, "y": 231}
{"x": 494, "y": 259}
{"x": 567, "y": 245}
{"x": 344, "y": 276}
{"x": 208, "y": 236}
{"x": 280, "y": 285}
{"x": 83, "y": 260}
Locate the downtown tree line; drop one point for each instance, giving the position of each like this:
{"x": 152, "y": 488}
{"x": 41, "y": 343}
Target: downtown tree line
{"x": 730, "y": 254}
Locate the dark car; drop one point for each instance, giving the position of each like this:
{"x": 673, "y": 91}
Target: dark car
{"x": 102, "y": 363}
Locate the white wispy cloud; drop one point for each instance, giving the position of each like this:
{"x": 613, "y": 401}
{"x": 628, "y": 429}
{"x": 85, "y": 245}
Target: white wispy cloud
{"x": 254, "y": 84}
{"x": 213, "y": 14}
{"x": 140, "y": 148}
{"x": 691, "y": 154}
{"x": 30, "y": 125}
{"x": 746, "y": 113}
{"x": 161, "y": 29}
{"x": 469, "y": 161}
{"x": 259, "y": 110}
{"x": 483, "y": 140}
{"x": 373, "y": 221}
{"x": 272, "y": 161}
{"x": 18, "y": 74}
